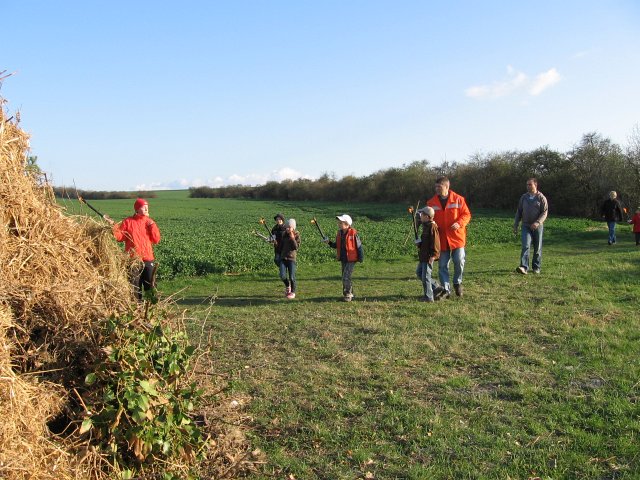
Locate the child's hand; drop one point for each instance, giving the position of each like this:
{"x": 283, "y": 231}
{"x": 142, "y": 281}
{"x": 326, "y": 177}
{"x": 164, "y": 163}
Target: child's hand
{"x": 324, "y": 240}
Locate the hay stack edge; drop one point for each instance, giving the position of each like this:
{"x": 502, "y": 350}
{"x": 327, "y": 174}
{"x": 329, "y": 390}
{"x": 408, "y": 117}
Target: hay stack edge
{"x": 59, "y": 276}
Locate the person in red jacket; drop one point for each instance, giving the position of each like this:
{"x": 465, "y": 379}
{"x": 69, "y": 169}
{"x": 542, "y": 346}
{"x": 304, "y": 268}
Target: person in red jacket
{"x": 139, "y": 233}
{"x": 452, "y": 217}
{"x": 635, "y": 221}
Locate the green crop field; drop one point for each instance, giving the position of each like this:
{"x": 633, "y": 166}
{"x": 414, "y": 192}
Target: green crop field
{"x": 202, "y": 236}
{"x": 525, "y": 377}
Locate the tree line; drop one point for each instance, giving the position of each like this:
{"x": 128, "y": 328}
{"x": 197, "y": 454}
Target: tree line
{"x": 575, "y": 182}
{"x": 71, "y": 192}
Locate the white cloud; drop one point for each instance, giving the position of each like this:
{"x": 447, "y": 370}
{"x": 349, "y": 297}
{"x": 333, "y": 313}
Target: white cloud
{"x": 517, "y": 82}
{"x": 543, "y": 81}
{"x": 285, "y": 173}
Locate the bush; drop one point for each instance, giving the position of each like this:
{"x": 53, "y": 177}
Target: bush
{"x": 139, "y": 406}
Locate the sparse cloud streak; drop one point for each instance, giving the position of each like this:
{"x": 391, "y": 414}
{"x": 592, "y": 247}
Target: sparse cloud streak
{"x": 516, "y": 83}
{"x": 285, "y": 173}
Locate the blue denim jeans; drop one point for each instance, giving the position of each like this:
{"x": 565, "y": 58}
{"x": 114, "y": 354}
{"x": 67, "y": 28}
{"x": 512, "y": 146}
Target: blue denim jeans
{"x": 612, "y": 231}
{"x": 288, "y": 266}
{"x": 531, "y": 237}
{"x": 458, "y": 256}
{"x": 423, "y": 272}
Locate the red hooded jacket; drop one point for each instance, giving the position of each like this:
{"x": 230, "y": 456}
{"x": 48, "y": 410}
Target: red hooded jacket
{"x": 138, "y": 233}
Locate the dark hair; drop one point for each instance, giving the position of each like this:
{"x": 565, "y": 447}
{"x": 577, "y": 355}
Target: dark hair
{"x": 534, "y": 179}
{"x": 443, "y": 179}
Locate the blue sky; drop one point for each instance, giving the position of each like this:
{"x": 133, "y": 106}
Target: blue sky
{"x": 125, "y": 95}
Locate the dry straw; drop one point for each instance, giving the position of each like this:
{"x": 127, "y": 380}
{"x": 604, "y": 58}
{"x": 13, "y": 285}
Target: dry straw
{"x": 59, "y": 276}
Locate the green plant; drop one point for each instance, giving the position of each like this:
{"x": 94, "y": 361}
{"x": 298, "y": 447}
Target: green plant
{"x": 140, "y": 406}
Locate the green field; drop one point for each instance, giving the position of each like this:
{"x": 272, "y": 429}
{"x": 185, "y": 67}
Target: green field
{"x": 525, "y": 377}
{"x": 203, "y": 236}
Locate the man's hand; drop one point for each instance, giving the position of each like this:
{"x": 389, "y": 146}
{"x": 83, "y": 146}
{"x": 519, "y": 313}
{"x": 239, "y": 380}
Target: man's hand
{"x": 455, "y": 226}
{"x": 108, "y": 219}
{"x": 535, "y": 225}
{"x": 515, "y": 230}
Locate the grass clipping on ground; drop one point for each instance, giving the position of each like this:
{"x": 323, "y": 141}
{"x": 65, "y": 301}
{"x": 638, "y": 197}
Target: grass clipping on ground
{"x": 60, "y": 277}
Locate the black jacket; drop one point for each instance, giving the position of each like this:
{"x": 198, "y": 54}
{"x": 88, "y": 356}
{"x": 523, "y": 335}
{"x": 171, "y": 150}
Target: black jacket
{"x": 611, "y": 210}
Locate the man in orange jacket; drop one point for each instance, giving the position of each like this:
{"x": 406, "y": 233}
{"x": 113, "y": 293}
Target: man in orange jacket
{"x": 452, "y": 217}
{"x": 139, "y": 232}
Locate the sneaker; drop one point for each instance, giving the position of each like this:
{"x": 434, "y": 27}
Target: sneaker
{"x": 426, "y": 299}
{"x": 348, "y": 297}
{"x": 458, "y": 289}
{"x": 536, "y": 271}
{"x": 291, "y": 295}
{"x": 521, "y": 270}
{"x": 287, "y": 290}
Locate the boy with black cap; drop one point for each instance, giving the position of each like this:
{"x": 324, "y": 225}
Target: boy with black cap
{"x": 348, "y": 250}
{"x": 139, "y": 233}
{"x": 276, "y": 237}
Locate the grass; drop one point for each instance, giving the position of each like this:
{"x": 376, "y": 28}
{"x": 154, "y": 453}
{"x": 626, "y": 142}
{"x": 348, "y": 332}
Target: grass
{"x": 525, "y": 377}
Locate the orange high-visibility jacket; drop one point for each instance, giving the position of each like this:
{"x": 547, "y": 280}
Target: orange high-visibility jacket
{"x": 455, "y": 210}
{"x": 350, "y": 244}
{"x": 138, "y": 233}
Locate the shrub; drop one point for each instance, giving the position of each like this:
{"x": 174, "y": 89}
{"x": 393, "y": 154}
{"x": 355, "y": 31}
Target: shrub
{"x": 140, "y": 404}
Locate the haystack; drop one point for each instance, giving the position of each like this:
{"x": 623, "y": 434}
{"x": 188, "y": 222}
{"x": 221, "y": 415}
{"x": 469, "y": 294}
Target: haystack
{"x": 59, "y": 277}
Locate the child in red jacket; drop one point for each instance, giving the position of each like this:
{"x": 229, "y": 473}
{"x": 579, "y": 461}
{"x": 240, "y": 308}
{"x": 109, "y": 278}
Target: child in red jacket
{"x": 635, "y": 221}
{"x": 139, "y": 233}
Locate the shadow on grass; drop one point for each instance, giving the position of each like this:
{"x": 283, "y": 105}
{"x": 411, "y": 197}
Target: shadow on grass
{"x": 227, "y": 301}
{"x": 259, "y": 301}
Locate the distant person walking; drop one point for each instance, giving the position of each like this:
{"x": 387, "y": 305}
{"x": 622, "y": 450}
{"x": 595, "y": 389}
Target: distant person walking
{"x": 635, "y": 221}
{"x": 348, "y": 250}
{"x": 290, "y": 241}
{"x": 532, "y": 211}
{"x": 611, "y": 211}
{"x": 139, "y": 233}
{"x": 428, "y": 251}
{"x": 276, "y": 237}
{"x": 452, "y": 216}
